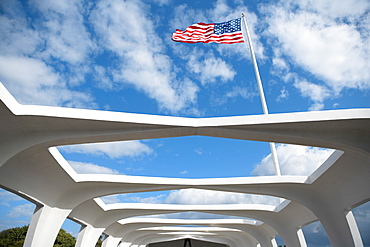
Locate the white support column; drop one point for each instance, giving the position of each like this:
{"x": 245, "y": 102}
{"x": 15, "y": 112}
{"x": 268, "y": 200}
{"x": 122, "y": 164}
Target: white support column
{"x": 273, "y": 242}
{"x": 356, "y": 235}
{"x": 88, "y": 236}
{"x": 111, "y": 241}
{"x": 340, "y": 226}
{"x": 45, "y": 225}
{"x": 302, "y": 239}
{"x": 290, "y": 237}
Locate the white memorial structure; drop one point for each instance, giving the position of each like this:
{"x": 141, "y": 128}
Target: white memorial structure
{"x": 32, "y": 167}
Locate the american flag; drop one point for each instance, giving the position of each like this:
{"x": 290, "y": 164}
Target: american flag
{"x": 229, "y": 32}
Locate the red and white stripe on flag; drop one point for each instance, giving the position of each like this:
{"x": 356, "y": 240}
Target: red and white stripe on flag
{"x": 221, "y": 33}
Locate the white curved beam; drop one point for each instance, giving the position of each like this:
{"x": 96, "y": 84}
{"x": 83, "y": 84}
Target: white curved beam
{"x": 223, "y": 237}
{"x": 251, "y": 227}
{"x": 96, "y": 213}
{"x": 28, "y": 131}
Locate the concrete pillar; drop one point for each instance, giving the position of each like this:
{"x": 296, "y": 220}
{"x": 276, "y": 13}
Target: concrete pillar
{"x": 111, "y": 241}
{"x": 354, "y": 229}
{"x": 301, "y": 238}
{"x": 88, "y": 236}
{"x": 273, "y": 242}
{"x": 341, "y": 228}
{"x": 45, "y": 225}
{"x": 290, "y": 237}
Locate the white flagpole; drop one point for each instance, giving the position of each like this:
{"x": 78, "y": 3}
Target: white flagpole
{"x": 262, "y": 95}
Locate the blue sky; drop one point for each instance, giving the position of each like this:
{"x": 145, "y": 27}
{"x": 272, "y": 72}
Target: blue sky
{"x": 118, "y": 56}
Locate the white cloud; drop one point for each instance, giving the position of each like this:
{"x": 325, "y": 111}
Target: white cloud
{"x": 234, "y": 93}
{"x": 317, "y": 93}
{"x": 144, "y": 65}
{"x": 293, "y": 160}
{"x": 238, "y": 91}
{"x": 102, "y": 78}
{"x": 17, "y": 38}
{"x": 89, "y": 168}
{"x": 339, "y": 9}
{"x": 27, "y": 71}
{"x": 59, "y": 45}
{"x": 284, "y": 94}
{"x": 131, "y": 169}
{"x": 184, "y": 16}
{"x": 314, "y": 91}
{"x": 312, "y": 35}
{"x": 113, "y": 150}
{"x": 152, "y": 199}
{"x": 210, "y": 68}
{"x": 64, "y": 31}
{"x": 34, "y": 82}
{"x": 316, "y": 107}
{"x": 110, "y": 199}
{"x": 279, "y": 63}
{"x": 31, "y": 50}
{"x": 133, "y": 198}
{"x": 194, "y": 197}
{"x": 7, "y": 196}
{"x": 199, "y": 197}
{"x": 162, "y": 2}
{"x": 193, "y": 216}
{"x": 25, "y": 210}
